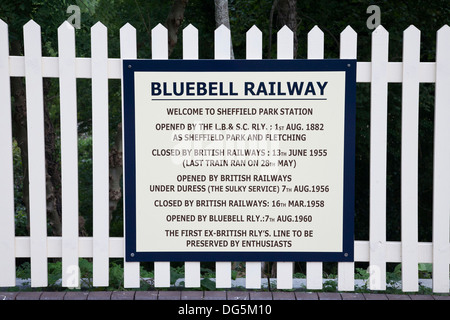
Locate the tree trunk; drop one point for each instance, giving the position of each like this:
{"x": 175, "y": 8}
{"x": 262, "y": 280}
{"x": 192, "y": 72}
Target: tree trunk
{"x": 115, "y": 171}
{"x": 53, "y": 167}
{"x": 286, "y": 11}
{"x": 173, "y": 23}
{"x": 222, "y": 17}
{"x": 174, "y": 20}
{"x": 287, "y": 16}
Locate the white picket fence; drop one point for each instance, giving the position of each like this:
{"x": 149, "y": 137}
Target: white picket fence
{"x": 377, "y": 251}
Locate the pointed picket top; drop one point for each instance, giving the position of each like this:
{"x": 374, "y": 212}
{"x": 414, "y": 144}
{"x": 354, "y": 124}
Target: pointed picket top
{"x": 315, "y": 43}
{"x": 380, "y": 44}
{"x": 4, "y": 36}
{"x": 99, "y": 41}
{"x": 3, "y": 24}
{"x": 285, "y": 43}
{"x": 159, "y": 28}
{"x": 66, "y": 40}
{"x": 443, "y": 41}
{"x": 127, "y": 39}
{"x": 315, "y": 32}
{"x": 190, "y": 29}
{"x": 412, "y": 29}
{"x": 411, "y": 45}
{"x": 65, "y": 25}
{"x": 285, "y": 32}
{"x": 444, "y": 28}
{"x": 222, "y": 29}
{"x": 443, "y": 47}
{"x": 222, "y": 43}
{"x": 31, "y": 25}
{"x": 99, "y": 27}
{"x": 444, "y": 31}
{"x": 348, "y": 30}
{"x": 33, "y": 30}
{"x": 32, "y": 39}
{"x": 190, "y": 42}
{"x": 380, "y": 30}
{"x": 254, "y": 43}
{"x": 127, "y": 27}
{"x": 254, "y": 31}
{"x": 222, "y": 32}
{"x": 128, "y": 45}
{"x": 349, "y": 40}
{"x": 160, "y": 42}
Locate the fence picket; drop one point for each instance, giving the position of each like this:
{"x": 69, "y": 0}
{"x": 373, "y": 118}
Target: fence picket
{"x": 100, "y": 154}
{"x": 222, "y": 45}
{"x": 69, "y": 155}
{"x": 190, "y": 42}
{"x": 285, "y": 43}
{"x": 253, "y": 51}
{"x": 190, "y": 51}
{"x": 378, "y": 145}
{"x": 315, "y": 51}
{"x": 7, "y": 246}
{"x": 128, "y": 50}
{"x": 254, "y": 43}
{"x": 409, "y": 167}
{"x": 160, "y": 50}
{"x": 315, "y": 43}
{"x": 285, "y": 50}
{"x": 222, "y": 48}
{"x": 441, "y": 187}
{"x": 348, "y": 50}
{"x": 36, "y": 153}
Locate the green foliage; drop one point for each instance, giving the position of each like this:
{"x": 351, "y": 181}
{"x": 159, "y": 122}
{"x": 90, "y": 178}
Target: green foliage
{"x": 425, "y": 270}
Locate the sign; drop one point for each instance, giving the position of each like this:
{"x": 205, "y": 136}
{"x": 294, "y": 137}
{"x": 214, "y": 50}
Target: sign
{"x": 239, "y": 160}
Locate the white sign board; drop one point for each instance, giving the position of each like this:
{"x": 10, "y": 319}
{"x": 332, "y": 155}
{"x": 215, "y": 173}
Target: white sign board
{"x": 232, "y": 160}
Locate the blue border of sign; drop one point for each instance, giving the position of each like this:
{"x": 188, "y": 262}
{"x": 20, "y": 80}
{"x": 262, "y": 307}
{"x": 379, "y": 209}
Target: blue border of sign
{"x": 131, "y": 66}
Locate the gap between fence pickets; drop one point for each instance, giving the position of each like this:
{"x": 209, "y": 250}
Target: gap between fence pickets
{"x": 34, "y": 67}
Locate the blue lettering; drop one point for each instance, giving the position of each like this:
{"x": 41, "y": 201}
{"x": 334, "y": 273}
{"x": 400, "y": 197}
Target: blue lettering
{"x": 156, "y": 88}
{"x": 190, "y": 88}
{"x": 322, "y": 86}
{"x": 310, "y": 88}
{"x": 294, "y": 86}
{"x": 212, "y": 88}
{"x": 201, "y": 89}
{"x": 248, "y": 88}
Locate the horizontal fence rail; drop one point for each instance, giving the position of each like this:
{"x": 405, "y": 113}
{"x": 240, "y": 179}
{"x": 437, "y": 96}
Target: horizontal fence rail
{"x": 379, "y": 72}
